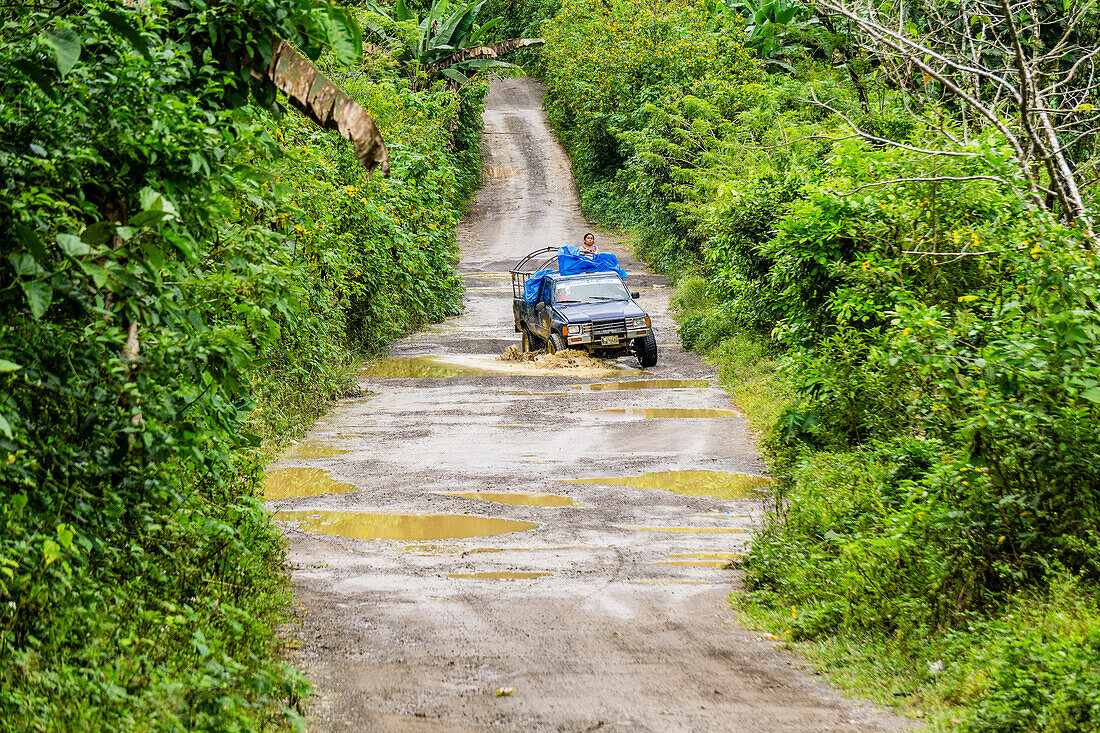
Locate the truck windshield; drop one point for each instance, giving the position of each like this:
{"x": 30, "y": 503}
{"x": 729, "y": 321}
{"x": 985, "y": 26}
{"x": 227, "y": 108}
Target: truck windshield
{"x": 589, "y": 291}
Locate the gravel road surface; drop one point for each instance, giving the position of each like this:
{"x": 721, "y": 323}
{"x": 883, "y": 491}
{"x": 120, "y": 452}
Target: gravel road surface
{"x": 472, "y": 525}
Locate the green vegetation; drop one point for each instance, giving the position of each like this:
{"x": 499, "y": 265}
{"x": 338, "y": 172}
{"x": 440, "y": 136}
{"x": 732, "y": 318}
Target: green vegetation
{"x": 895, "y": 272}
{"x": 187, "y": 275}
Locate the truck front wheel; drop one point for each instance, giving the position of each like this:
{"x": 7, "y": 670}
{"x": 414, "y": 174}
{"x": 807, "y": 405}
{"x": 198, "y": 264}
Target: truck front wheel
{"x": 555, "y": 344}
{"x": 646, "y": 349}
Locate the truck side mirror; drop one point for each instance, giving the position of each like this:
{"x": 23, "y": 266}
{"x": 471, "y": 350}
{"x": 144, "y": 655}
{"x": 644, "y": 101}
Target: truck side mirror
{"x": 635, "y": 295}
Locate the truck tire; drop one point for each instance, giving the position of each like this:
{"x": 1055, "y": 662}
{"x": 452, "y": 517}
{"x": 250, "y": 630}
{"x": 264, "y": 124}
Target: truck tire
{"x": 647, "y": 350}
{"x": 555, "y": 344}
{"x": 526, "y": 340}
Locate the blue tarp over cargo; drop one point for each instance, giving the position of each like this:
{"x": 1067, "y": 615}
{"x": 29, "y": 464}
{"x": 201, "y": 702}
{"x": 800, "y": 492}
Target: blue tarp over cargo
{"x": 572, "y": 262}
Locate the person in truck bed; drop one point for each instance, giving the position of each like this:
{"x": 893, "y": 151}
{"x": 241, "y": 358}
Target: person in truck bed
{"x": 588, "y": 249}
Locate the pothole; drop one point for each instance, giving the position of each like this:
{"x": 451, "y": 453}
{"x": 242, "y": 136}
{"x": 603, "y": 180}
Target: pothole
{"x": 314, "y": 449}
{"x": 299, "y": 481}
{"x": 650, "y": 413}
{"x": 419, "y": 367}
{"x": 645, "y": 384}
{"x": 708, "y": 484}
{"x": 686, "y": 530}
{"x": 409, "y": 527}
{"x": 517, "y": 499}
{"x": 696, "y": 563}
{"x": 501, "y": 575}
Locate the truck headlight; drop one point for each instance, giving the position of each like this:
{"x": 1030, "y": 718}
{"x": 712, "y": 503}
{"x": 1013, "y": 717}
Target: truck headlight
{"x": 637, "y": 324}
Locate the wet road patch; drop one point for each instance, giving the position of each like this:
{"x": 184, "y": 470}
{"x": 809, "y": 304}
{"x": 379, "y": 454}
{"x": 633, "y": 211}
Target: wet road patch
{"x": 705, "y": 484}
{"x": 410, "y": 527}
{"x": 650, "y": 413}
{"x": 499, "y": 575}
{"x": 686, "y": 530}
{"x": 419, "y": 367}
{"x": 314, "y": 449}
{"x": 517, "y": 499}
{"x": 299, "y": 481}
{"x": 644, "y": 384}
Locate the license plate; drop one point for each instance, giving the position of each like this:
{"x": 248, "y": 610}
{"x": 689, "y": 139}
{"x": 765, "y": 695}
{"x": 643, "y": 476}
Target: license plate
{"x": 609, "y": 340}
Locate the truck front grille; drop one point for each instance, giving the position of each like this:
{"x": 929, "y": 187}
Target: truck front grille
{"x": 608, "y": 328}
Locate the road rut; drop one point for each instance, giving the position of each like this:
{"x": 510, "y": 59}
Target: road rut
{"x": 612, "y": 614}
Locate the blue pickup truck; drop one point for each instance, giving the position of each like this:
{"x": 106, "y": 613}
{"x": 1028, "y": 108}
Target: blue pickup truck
{"x": 591, "y": 311}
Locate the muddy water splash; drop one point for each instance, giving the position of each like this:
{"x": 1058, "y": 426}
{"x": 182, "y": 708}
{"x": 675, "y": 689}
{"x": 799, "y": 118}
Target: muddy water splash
{"x": 409, "y": 527}
{"x": 299, "y": 481}
{"x": 709, "y": 484}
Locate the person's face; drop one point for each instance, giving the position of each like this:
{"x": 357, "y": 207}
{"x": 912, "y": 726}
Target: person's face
{"x": 589, "y": 240}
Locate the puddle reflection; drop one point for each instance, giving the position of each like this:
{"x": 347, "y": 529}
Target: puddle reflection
{"x": 298, "y": 481}
{"x": 709, "y": 484}
{"x": 377, "y": 526}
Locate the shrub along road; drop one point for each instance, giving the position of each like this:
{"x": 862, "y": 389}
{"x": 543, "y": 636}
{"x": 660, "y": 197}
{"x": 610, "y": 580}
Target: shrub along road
{"x": 604, "y": 621}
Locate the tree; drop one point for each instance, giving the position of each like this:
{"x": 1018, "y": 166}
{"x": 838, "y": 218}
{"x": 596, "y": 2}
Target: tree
{"x": 1027, "y": 70}
{"x": 448, "y": 42}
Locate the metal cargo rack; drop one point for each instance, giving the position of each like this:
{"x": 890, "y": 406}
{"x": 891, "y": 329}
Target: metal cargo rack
{"x": 540, "y": 259}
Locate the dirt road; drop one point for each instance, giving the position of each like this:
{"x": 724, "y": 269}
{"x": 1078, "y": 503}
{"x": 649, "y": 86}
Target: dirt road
{"x": 602, "y": 603}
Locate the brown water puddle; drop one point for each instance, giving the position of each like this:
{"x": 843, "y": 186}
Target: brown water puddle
{"x": 516, "y": 498}
{"x": 696, "y": 563}
{"x": 377, "y": 526}
{"x": 670, "y": 581}
{"x": 645, "y": 384}
{"x": 708, "y": 555}
{"x": 670, "y": 412}
{"x": 710, "y": 484}
{"x": 299, "y": 481}
{"x": 686, "y": 530}
{"x": 503, "y": 575}
{"x": 419, "y": 367}
{"x": 314, "y": 449}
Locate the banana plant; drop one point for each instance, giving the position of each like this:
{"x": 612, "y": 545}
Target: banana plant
{"x": 769, "y": 25}
{"x": 448, "y": 41}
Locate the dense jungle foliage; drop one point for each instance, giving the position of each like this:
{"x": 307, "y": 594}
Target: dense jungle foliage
{"x": 881, "y": 228}
{"x": 189, "y": 270}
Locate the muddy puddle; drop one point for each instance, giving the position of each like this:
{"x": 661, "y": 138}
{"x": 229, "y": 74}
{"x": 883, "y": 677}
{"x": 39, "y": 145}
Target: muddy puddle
{"x": 707, "y": 484}
{"x": 650, "y": 413}
{"x": 419, "y": 367}
{"x": 671, "y": 581}
{"x": 686, "y": 530}
{"x": 696, "y": 563}
{"x": 313, "y": 449}
{"x": 517, "y": 499}
{"x": 409, "y": 527}
{"x": 645, "y": 384}
{"x": 708, "y": 555}
{"x": 299, "y": 481}
{"x": 499, "y": 575}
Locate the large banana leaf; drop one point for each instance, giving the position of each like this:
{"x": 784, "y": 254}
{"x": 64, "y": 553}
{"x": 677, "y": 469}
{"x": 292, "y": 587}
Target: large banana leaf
{"x": 326, "y": 104}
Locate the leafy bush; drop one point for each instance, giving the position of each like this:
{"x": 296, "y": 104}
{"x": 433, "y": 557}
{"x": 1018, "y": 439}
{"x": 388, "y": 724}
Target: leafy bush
{"x": 178, "y": 257}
